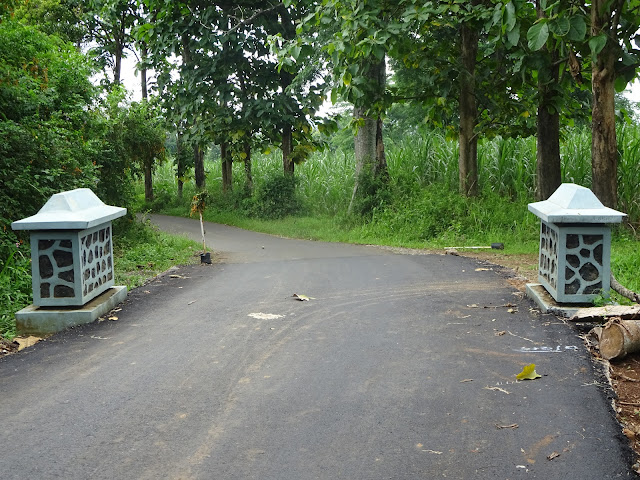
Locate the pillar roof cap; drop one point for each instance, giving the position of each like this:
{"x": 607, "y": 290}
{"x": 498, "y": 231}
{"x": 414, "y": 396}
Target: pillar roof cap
{"x": 572, "y": 203}
{"x": 77, "y": 209}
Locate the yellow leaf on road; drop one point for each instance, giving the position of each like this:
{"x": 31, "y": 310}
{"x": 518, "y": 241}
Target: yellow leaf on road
{"x": 528, "y": 373}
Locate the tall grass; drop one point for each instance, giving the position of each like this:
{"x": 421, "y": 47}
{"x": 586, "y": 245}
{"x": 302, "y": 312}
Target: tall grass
{"x": 419, "y": 165}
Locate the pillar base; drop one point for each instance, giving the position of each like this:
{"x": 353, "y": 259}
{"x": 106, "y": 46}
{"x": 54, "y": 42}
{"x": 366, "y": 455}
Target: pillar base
{"x": 34, "y": 320}
{"x": 547, "y": 304}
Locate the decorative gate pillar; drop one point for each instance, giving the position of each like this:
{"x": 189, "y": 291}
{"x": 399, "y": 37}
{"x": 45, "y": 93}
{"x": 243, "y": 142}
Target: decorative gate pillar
{"x": 71, "y": 255}
{"x": 575, "y": 244}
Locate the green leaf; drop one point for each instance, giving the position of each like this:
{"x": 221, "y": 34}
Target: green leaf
{"x": 621, "y": 84}
{"x": 346, "y": 78}
{"x": 597, "y": 43}
{"x": 578, "y": 29}
{"x": 528, "y": 373}
{"x": 510, "y": 21}
{"x": 560, "y": 26}
{"x": 513, "y": 36}
{"x": 295, "y": 51}
{"x": 537, "y": 35}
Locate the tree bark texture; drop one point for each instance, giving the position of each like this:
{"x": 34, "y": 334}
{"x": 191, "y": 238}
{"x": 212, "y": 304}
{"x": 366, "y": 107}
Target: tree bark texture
{"x": 180, "y": 167}
{"x": 468, "y": 156}
{"x": 604, "y": 144}
{"x": 287, "y": 139}
{"x": 619, "y": 338}
{"x": 143, "y": 71}
{"x": 227, "y": 167}
{"x": 548, "y": 169}
{"x": 369, "y": 142}
{"x": 248, "y": 176}
{"x": 198, "y": 158}
{"x": 148, "y": 181}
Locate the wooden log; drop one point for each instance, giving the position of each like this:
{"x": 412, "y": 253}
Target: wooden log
{"x": 619, "y": 338}
{"x": 597, "y": 313}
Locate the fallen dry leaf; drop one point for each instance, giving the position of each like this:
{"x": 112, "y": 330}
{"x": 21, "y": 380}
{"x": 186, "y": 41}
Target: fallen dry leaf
{"x": 113, "y": 318}
{"x": 553, "y": 455}
{"x": 466, "y": 380}
{"x": 500, "y": 333}
{"x": 24, "y": 342}
{"x": 483, "y": 269}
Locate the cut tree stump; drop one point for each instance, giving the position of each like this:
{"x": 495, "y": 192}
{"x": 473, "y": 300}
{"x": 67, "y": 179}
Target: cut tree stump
{"x": 619, "y": 338}
{"x": 599, "y": 313}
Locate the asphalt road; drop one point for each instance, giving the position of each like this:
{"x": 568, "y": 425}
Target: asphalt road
{"x": 398, "y": 367}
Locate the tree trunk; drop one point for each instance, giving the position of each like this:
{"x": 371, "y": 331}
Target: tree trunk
{"x": 380, "y": 169}
{"x": 248, "y": 177}
{"x": 288, "y": 28}
{"x": 604, "y": 144}
{"x": 148, "y": 181}
{"x": 117, "y": 67}
{"x": 143, "y": 70}
{"x": 180, "y": 167}
{"x": 287, "y": 139}
{"x": 468, "y": 156}
{"x": 548, "y": 170}
{"x": 227, "y": 170}
{"x": 368, "y": 141}
{"x": 198, "y": 158}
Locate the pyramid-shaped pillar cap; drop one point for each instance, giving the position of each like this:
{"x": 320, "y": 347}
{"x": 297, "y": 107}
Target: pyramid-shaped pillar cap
{"x": 572, "y": 203}
{"x": 77, "y": 209}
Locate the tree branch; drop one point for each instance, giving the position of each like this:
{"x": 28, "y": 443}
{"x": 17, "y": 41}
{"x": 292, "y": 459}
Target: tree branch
{"x": 625, "y": 292}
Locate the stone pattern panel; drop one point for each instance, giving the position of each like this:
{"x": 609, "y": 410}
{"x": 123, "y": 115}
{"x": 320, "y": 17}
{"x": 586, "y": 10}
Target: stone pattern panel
{"x": 97, "y": 260}
{"x": 548, "y": 261}
{"x": 55, "y": 261}
{"x": 584, "y": 264}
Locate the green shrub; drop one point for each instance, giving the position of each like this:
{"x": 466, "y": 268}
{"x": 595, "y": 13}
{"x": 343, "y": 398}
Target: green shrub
{"x": 276, "y": 197}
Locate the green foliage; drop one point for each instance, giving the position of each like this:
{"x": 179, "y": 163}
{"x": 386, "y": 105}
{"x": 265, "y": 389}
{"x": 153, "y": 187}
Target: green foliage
{"x": 15, "y": 282}
{"x": 276, "y": 197}
{"x": 62, "y": 18}
{"x": 46, "y": 124}
{"x": 373, "y": 194}
{"x": 142, "y": 252}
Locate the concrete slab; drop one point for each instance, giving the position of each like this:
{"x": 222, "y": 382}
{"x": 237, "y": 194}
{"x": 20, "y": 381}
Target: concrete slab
{"x": 547, "y": 304}
{"x": 34, "y": 320}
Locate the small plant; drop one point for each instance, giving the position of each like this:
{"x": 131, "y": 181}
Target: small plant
{"x": 198, "y": 204}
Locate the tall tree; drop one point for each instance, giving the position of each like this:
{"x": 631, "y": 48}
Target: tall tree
{"x": 110, "y": 24}
{"x": 614, "y": 31}
{"x": 468, "y": 151}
